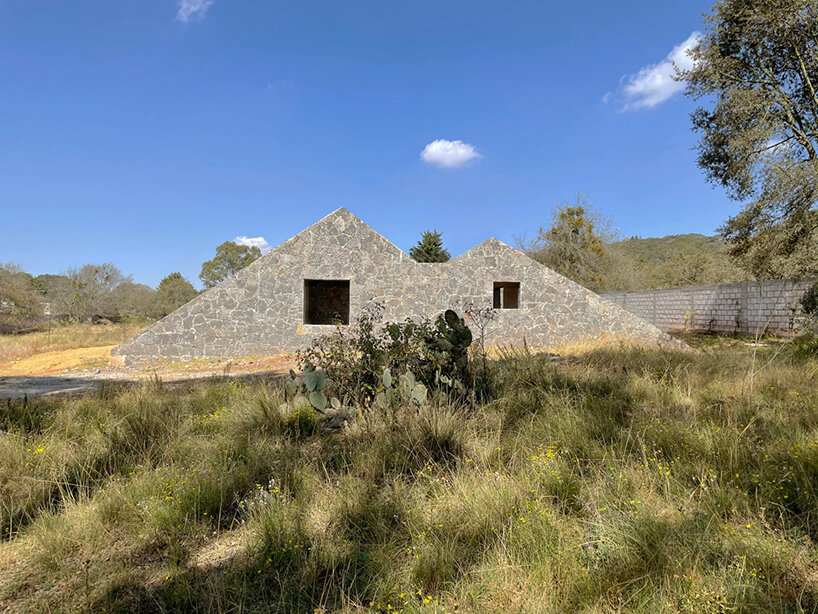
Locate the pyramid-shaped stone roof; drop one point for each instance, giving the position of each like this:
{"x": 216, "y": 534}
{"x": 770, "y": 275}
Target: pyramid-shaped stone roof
{"x": 261, "y": 309}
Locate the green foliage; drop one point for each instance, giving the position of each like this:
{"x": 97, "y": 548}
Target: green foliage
{"x": 405, "y": 390}
{"x": 759, "y": 140}
{"x": 318, "y": 400}
{"x": 98, "y": 290}
{"x": 407, "y": 347}
{"x": 354, "y": 357}
{"x": 19, "y": 300}
{"x": 50, "y": 286}
{"x": 171, "y": 293}
{"x": 650, "y": 263}
{"x": 809, "y": 302}
{"x": 804, "y": 347}
{"x": 229, "y": 259}
{"x": 452, "y": 343}
{"x": 314, "y": 380}
{"x": 623, "y": 479}
{"x": 481, "y": 318}
{"x": 133, "y": 301}
{"x": 574, "y": 245}
{"x": 809, "y": 305}
{"x": 429, "y": 248}
{"x": 305, "y": 391}
{"x": 598, "y": 261}
{"x": 89, "y": 292}
{"x": 670, "y": 262}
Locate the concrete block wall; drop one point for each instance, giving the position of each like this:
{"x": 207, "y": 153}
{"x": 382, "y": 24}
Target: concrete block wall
{"x": 746, "y": 307}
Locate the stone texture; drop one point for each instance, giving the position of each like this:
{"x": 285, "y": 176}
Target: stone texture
{"x": 260, "y": 310}
{"x": 748, "y": 307}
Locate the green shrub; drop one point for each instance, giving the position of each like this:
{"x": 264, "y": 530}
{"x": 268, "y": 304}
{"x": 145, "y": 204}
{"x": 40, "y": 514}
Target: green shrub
{"x": 354, "y": 358}
{"x": 809, "y": 301}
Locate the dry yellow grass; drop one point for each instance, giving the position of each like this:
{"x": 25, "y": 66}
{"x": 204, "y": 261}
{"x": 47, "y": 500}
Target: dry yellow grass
{"x": 73, "y": 336}
{"x": 621, "y": 479}
{"x": 53, "y": 362}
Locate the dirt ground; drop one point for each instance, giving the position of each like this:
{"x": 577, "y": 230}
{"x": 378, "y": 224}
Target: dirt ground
{"x": 77, "y": 371}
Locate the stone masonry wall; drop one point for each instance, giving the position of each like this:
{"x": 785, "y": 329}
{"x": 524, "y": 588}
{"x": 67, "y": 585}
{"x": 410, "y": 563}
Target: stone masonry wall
{"x": 260, "y": 310}
{"x": 747, "y": 307}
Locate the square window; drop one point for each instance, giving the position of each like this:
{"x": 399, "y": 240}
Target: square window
{"x": 326, "y": 301}
{"x": 506, "y": 294}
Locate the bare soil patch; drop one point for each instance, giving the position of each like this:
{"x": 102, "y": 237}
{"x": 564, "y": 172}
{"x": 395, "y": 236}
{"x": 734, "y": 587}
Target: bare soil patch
{"x": 81, "y": 370}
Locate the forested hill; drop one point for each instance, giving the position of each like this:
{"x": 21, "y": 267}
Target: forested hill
{"x": 661, "y": 249}
{"x": 674, "y": 260}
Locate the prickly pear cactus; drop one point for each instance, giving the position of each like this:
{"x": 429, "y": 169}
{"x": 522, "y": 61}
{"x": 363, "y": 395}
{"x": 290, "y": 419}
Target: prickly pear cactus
{"x": 306, "y": 391}
{"x": 405, "y": 388}
{"x": 453, "y": 344}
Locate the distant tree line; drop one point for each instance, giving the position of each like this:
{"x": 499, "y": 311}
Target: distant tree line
{"x": 102, "y": 292}
{"x": 90, "y": 292}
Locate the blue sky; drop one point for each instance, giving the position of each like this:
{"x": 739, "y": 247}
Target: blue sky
{"x": 146, "y": 132}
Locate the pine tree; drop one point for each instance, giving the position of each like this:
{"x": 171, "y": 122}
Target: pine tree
{"x": 430, "y": 248}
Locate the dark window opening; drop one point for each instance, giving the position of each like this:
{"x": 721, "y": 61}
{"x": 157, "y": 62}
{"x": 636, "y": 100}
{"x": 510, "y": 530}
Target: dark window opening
{"x": 326, "y": 301}
{"x": 506, "y": 294}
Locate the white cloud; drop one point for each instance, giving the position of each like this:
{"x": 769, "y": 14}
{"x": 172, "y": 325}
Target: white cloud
{"x": 189, "y": 9}
{"x": 259, "y": 242}
{"x": 449, "y": 154}
{"x": 654, "y": 83}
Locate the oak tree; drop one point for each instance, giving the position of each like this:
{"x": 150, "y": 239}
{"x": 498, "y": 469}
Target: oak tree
{"x": 230, "y": 258}
{"x": 756, "y": 69}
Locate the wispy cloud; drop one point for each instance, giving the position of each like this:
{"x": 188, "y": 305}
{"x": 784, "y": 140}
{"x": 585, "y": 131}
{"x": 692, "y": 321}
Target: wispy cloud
{"x": 655, "y": 83}
{"x": 259, "y": 242}
{"x": 449, "y": 154}
{"x": 190, "y": 9}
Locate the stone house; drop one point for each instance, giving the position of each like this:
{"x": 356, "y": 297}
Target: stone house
{"x": 331, "y": 270}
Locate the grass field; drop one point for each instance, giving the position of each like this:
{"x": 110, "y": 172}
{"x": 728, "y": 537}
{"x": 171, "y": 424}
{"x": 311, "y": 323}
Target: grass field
{"x": 619, "y": 479}
{"x": 64, "y": 337}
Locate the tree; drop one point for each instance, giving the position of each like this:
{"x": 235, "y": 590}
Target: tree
{"x": 19, "y": 300}
{"x": 230, "y": 258}
{"x": 574, "y": 245}
{"x": 765, "y": 260}
{"x": 429, "y": 248}
{"x": 130, "y": 300}
{"x": 758, "y": 63}
{"x": 90, "y": 292}
{"x": 171, "y": 293}
{"x": 50, "y": 286}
